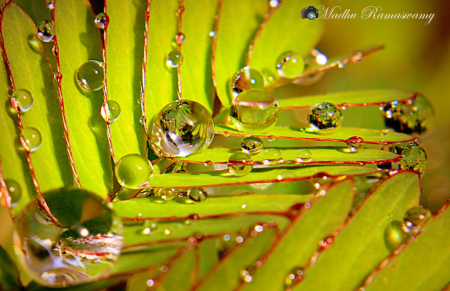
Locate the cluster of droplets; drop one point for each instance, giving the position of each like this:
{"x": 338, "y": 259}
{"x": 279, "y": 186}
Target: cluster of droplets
{"x": 414, "y": 157}
{"x": 188, "y": 196}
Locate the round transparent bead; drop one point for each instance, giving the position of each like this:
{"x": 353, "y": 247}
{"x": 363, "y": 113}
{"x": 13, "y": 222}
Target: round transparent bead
{"x": 415, "y": 218}
{"x": 110, "y": 111}
{"x": 14, "y": 190}
{"x": 90, "y": 76}
{"x": 46, "y": 31}
{"x": 240, "y": 164}
{"x": 246, "y": 79}
{"x": 30, "y": 138}
{"x": 290, "y": 64}
{"x": 355, "y": 144}
{"x": 325, "y": 117}
{"x": 252, "y": 145}
{"x": 133, "y": 171}
{"x": 23, "y": 98}
{"x": 174, "y": 59}
{"x": 101, "y": 20}
{"x": 197, "y": 194}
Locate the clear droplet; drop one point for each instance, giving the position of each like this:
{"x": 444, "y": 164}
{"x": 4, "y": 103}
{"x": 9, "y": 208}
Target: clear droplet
{"x": 174, "y": 59}
{"x": 285, "y": 175}
{"x": 271, "y": 138}
{"x": 304, "y": 156}
{"x": 133, "y": 171}
{"x": 355, "y": 144}
{"x": 414, "y": 156}
{"x": 357, "y": 57}
{"x": 198, "y": 194}
{"x": 14, "y": 190}
{"x": 31, "y": 139}
{"x": 45, "y": 30}
{"x": 254, "y": 111}
{"x": 77, "y": 242}
{"x": 246, "y": 79}
{"x": 212, "y": 33}
{"x": 23, "y": 98}
{"x": 394, "y": 235}
{"x": 290, "y": 64}
{"x": 340, "y": 65}
{"x": 246, "y": 274}
{"x": 167, "y": 193}
{"x": 142, "y": 120}
{"x": 240, "y": 164}
{"x": 415, "y": 218}
{"x": 57, "y": 76}
{"x": 252, "y": 145}
{"x": 110, "y": 111}
{"x": 55, "y": 50}
{"x": 272, "y": 157}
{"x": 90, "y": 76}
{"x": 182, "y": 128}
{"x": 101, "y": 20}
{"x": 325, "y": 117}
{"x": 294, "y": 276}
{"x": 274, "y": 3}
{"x": 180, "y": 38}
{"x": 149, "y": 227}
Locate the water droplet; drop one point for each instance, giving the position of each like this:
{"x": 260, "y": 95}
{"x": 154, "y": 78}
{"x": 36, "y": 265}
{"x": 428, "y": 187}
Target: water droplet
{"x": 326, "y": 243}
{"x": 174, "y": 59}
{"x": 45, "y": 31}
{"x": 272, "y": 157}
{"x": 180, "y": 38}
{"x": 181, "y": 9}
{"x": 226, "y": 133}
{"x": 90, "y": 76}
{"x": 320, "y": 57}
{"x": 78, "y": 241}
{"x": 101, "y": 20}
{"x": 55, "y": 50}
{"x": 149, "y": 227}
{"x": 325, "y": 117}
{"x": 285, "y": 175}
{"x": 212, "y": 33}
{"x": 252, "y": 145}
{"x": 294, "y": 276}
{"x": 304, "y": 156}
{"x": 133, "y": 171}
{"x": 415, "y": 218}
{"x": 142, "y": 120}
{"x": 340, "y": 65}
{"x": 150, "y": 283}
{"x": 274, "y": 3}
{"x": 355, "y": 143}
{"x": 271, "y": 138}
{"x": 417, "y": 117}
{"x": 343, "y": 106}
{"x": 290, "y": 64}
{"x": 167, "y": 231}
{"x": 182, "y": 128}
{"x": 31, "y": 139}
{"x": 254, "y": 111}
{"x": 57, "y": 76}
{"x": 414, "y": 156}
{"x": 357, "y": 57}
{"x": 207, "y": 164}
{"x": 50, "y": 4}
{"x": 246, "y": 79}
{"x": 23, "y": 98}
{"x": 384, "y": 132}
{"x": 198, "y": 194}
{"x": 167, "y": 193}
{"x": 240, "y": 164}
{"x": 14, "y": 190}
{"x": 110, "y": 111}
{"x": 394, "y": 235}
{"x": 246, "y": 274}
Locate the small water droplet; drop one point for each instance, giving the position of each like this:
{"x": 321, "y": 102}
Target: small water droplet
{"x": 14, "y": 190}
{"x": 272, "y": 157}
{"x": 149, "y": 227}
{"x": 207, "y": 164}
{"x": 31, "y": 139}
{"x": 90, "y": 76}
{"x": 181, "y": 9}
{"x": 226, "y": 133}
{"x": 57, "y": 76}
{"x": 46, "y": 31}
{"x": 50, "y": 4}
{"x": 340, "y": 65}
{"x": 180, "y": 38}
{"x": 246, "y": 79}
{"x": 274, "y": 3}
{"x": 290, "y": 64}
{"x": 110, "y": 111}
{"x": 101, "y": 20}
{"x": 271, "y": 138}
{"x": 167, "y": 231}
{"x": 198, "y": 194}
{"x": 294, "y": 276}
{"x": 252, "y": 145}
{"x": 182, "y": 128}
{"x": 325, "y": 117}
{"x": 355, "y": 144}
{"x": 150, "y": 283}
{"x": 357, "y": 57}
{"x": 133, "y": 171}
{"x": 326, "y": 243}
{"x": 240, "y": 164}
{"x": 415, "y": 218}
{"x": 23, "y": 98}
{"x": 384, "y": 132}
{"x": 285, "y": 175}
{"x": 304, "y": 156}
{"x": 212, "y": 33}
{"x": 55, "y": 50}
{"x": 142, "y": 120}
{"x": 243, "y": 206}
{"x": 394, "y": 235}
{"x": 246, "y": 274}
{"x": 343, "y": 106}
{"x": 174, "y": 59}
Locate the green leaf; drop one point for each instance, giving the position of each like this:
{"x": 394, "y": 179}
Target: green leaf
{"x": 425, "y": 262}
{"x": 94, "y": 286}
{"x": 78, "y": 42}
{"x": 9, "y": 274}
{"x": 133, "y": 261}
{"x": 286, "y": 31}
{"x": 208, "y": 256}
{"x": 182, "y": 275}
{"x": 124, "y": 56}
{"x": 235, "y": 29}
{"x": 35, "y": 9}
{"x": 30, "y": 71}
{"x": 360, "y": 246}
{"x": 298, "y": 242}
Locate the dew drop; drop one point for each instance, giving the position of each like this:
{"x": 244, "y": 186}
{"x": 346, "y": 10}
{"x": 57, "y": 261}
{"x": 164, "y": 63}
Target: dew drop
{"x": 326, "y": 243}
{"x": 274, "y": 3}
{"x": 226, "y": 133}
{"x": 290, "y": 64}
{"x": 150, "y": 283}
{"x": 55, "y": 50}
{"x": 182, "y": 128}
{"x": 414, "y": 156}
{"x": 149, "y": 227}
{"x": 181, "y": 9}
{"x": 285, "y": 175}
{"x": 174, "y": 59}
{"x": 110, "y": 111}
{"x": 167, "y": 231}
{"x": 325, "y": 117}
{"x": 357, "y": 57}
{"x": 197, "y": 194}
{"x": 384, "y": 132}
{"x": 50, "y": 4}
{"x": 246, "y": 79}
{"x": 340, "y": 65}
{"x": 272, "y": 157}
{"x": 31, "y": 139}
{"x": 304, "y": 156}
{"x": 45, "y": 31}
{"x": 101, "y": 20}
{"x": 394, "y": 235}
{"x": 23, "y": 98}
{"x": 271, "y": 138}
{"x": 90, "y": 76}
{"x": 252, "y": 145}
{"x": 57, "y": 76}
{"x": 77, "y": 243}
{"x": 240, "y": 164}
{"x": 355, "y": 144}
{"x": 180, "y": 38}
{"x": 254, "y": 111}
{"x": 133, "y": 171}
{"x": 207, "y": 163}
{"x": 294, "y": 276}
{"x": 212, "y": 33}
{"x": 246, "y": 274}
{"x": 415, "y": 218}
{"x": 142, "y": 120}
{"x": 14, "y": 190}
{"x": 167, "y": 193}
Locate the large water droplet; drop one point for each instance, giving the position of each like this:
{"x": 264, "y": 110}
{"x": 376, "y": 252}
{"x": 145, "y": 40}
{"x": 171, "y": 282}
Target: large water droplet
{"x": 182, "y": 128}
{"x": 414, "y": 156}
{"x": 252, "y": 145}
{"x": 290, "y": 65}
{"x": 90, "y": 76}
{"x": 304, "y": 156}
{"x": 415, "y": 218}
{"x": 31, "y": 139}
{"x": 394, "y": 235}
{"x": 355, "y": 143}
{"x": 246, "y": 79}
{"x": 14, "y": 190}
{"x": 77, "y": 242}
{"x": 240, "y": 164}
{"x": 101, "y": 20}
{"x": 110, "y": 111}
{"x": 174, "y": 59}
{"x": 46, "y": 30}
{"x": 254, "y": 111}
{"x": 133, "y": 171}
{"x": 23, "y": 98}
{"x": 197, "y": 194}
{"x": 294, "y": 276}
{"x": 325, "y": 117}
{"x": 272, "y": 157}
